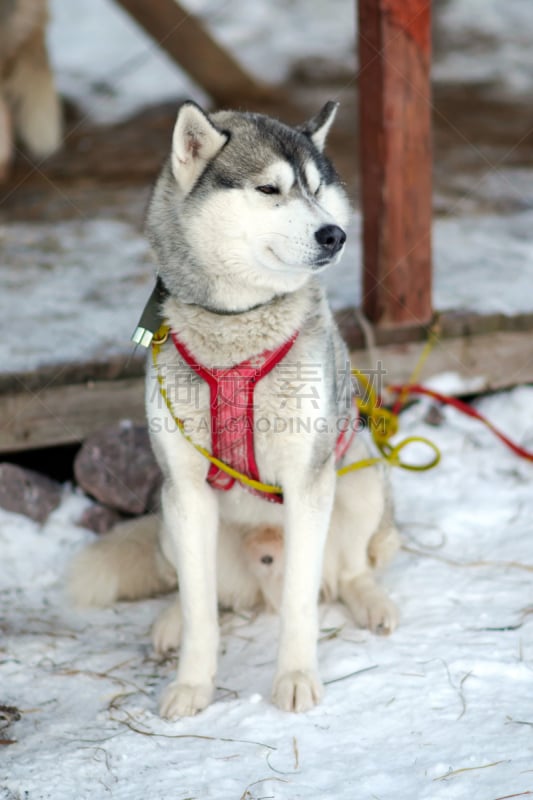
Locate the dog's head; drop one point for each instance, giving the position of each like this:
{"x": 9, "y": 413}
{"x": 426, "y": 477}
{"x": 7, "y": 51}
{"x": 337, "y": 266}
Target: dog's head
{"x": 248, "y": 199}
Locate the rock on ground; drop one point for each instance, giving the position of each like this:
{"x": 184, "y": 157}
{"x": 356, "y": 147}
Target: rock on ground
{"x": 27, "y": 492}
{"x": 99, "y": 518}
{"x": 116, "y": 466}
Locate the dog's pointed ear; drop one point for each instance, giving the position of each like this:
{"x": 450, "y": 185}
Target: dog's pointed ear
{"x": 317, "y": 128}
{"x": 195, "y": 142}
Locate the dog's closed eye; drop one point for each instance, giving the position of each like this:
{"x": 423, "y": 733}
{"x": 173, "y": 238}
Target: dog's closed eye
{"x": 268, "y": 188}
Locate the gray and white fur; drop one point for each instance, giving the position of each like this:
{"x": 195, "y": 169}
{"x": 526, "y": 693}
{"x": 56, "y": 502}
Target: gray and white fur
{"x": 245, "y": 214}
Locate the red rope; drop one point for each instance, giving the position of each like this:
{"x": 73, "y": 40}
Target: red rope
{"x": 464, "y": 407}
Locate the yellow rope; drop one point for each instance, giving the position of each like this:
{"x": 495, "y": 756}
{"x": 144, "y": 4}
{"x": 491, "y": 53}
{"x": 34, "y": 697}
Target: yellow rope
{"x": 383, "y": 425}
{"x": 426, "y": 350}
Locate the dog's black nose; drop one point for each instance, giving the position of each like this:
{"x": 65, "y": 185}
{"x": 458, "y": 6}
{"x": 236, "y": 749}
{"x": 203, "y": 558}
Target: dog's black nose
{"x": 331, "y": 238}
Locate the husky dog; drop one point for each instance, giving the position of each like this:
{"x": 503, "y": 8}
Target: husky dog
{"x": 245, "y": 214}
{"x": 29, "y": 105}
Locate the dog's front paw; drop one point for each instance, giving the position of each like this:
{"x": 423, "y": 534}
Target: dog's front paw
{"x": 166, "y": 630}
{"x": 298, "y": 690}
{"x": 185, "y": 700}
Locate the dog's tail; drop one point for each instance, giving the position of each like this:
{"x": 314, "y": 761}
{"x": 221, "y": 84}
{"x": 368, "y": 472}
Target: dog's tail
{"x": 125, "y": 564}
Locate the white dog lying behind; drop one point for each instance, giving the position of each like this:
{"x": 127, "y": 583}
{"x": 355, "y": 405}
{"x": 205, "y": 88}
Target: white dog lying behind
{"x": 258, "y": 574}
{"x": 128, "y": 564}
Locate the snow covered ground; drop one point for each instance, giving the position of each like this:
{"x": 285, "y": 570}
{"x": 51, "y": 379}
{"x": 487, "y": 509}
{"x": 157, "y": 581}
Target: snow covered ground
{"x": 487, "y": 42}
{"x": 60, "y": 286}
{"x": 441, "y": 710}
{"x": 481, "y": 263}
{"x": 112, "y": 68}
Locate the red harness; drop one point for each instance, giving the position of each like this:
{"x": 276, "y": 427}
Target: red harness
{"x": 232, "y": 415}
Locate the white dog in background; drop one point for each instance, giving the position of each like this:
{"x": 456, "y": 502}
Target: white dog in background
{"x": 30, "y": 109}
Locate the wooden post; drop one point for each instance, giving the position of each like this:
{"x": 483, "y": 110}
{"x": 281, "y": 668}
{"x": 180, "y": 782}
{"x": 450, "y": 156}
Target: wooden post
{"x": 395, "y": 155}
{"x": 184, "y": 38}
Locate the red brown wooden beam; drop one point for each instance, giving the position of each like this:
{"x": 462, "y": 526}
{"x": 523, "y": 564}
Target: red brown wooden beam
{"x": 395, "y": 136}
{"x": 187, "y": 42}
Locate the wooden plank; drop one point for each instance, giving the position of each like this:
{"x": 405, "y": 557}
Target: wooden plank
{"x": 493, "y": 361}
{"x": 452, "y": 324}
{"x": 116, "y": 368}
{"x": 395, "y": 157}
{"x": 185, "y": 39}
{"x": 67, "y": 414}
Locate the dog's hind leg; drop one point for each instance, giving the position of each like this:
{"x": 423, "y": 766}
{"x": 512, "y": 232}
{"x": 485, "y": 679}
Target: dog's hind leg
{"x": 166, "y": 630}
{"x": 366, "y": 537}
{"x": 308, "y": 502}
{"x": 369, "y": 605}
{"x": 385, "y": 542}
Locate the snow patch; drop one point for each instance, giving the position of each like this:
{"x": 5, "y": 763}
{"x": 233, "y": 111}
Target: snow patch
{"x": 444, "y": 701}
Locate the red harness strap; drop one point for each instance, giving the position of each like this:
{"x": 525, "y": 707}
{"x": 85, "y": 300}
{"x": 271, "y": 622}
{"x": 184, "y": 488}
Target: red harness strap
{"x": 232, "y": 414}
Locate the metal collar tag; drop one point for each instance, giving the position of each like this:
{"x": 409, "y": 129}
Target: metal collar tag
{"x": 151, "y": 318}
